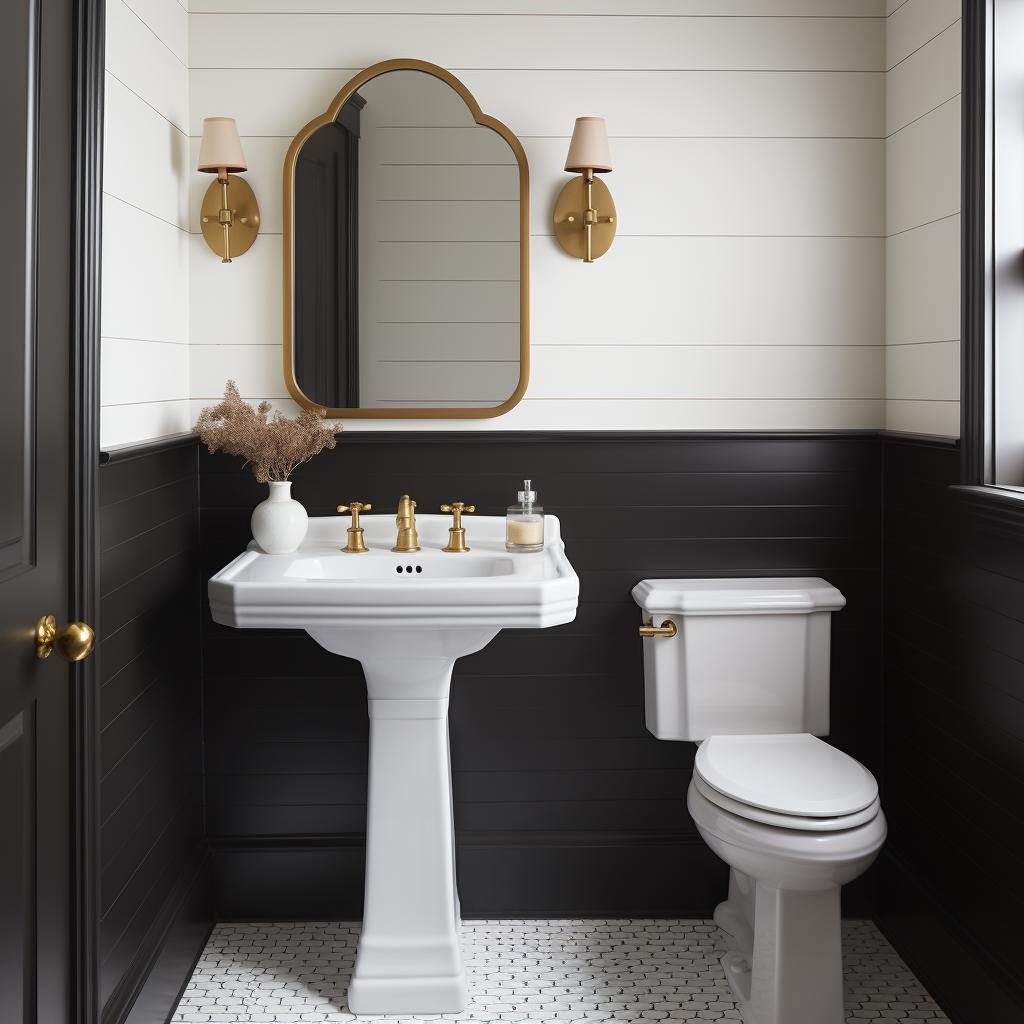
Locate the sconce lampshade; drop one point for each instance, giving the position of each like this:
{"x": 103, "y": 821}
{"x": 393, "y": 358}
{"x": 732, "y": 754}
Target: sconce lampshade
{"x": 221, "y": 146}
{"x": 589, "y": 146}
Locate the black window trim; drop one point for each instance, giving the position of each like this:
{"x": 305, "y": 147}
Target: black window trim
{"x": 974, "y": 279}
{"x": 1000, "y": 504}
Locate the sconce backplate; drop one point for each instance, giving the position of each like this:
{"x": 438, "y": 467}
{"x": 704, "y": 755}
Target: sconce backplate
{"x": 571, "y": 202}
{"x": 246, "y": 221}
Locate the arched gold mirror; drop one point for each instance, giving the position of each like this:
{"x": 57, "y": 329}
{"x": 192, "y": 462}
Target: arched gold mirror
{"x": 406, "y": 252}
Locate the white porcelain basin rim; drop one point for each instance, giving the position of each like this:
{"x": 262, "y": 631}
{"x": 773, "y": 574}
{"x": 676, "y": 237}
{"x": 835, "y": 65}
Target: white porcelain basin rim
{"x": 319, "y": 586}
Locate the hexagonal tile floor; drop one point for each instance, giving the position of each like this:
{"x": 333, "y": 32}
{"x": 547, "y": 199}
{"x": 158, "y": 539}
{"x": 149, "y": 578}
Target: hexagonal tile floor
{"x": 540, "y": 972}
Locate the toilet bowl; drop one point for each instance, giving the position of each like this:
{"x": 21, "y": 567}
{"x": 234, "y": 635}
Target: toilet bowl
{"x": 744, "y": 672}
{"x": 782, "y": 916}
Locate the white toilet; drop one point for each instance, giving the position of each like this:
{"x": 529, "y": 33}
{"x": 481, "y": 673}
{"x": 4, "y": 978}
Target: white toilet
{"x": 745, "y": 673}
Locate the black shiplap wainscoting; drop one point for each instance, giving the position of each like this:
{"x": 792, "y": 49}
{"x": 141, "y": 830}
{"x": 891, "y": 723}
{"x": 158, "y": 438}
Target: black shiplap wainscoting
{"x": 153, "y": 906}
{"x": 565, "y": 805}
{"x": 951, "y": 896}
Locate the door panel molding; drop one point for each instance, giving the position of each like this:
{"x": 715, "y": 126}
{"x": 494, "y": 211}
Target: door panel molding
{"x": 20, "y": 207}
{"x": 17, "y": 856}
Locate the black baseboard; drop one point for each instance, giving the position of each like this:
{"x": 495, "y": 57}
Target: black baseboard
{"x": 541, "y": 875}
{"x": 293, "y": 878}
{"x": 150, "y": 990}
{"x": 959, "y": 974}
{"x": 619, "y": 875}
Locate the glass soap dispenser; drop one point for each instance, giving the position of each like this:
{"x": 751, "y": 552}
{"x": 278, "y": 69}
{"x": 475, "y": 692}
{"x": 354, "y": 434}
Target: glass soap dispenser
{"x": 524, "y": 522}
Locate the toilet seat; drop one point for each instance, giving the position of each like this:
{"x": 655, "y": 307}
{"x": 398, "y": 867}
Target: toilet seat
{"x": 788, "y": 821}
{"x": 793, "y": 780}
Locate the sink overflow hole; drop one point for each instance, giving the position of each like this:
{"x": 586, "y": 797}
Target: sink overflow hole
{"x": 408, "y": 568}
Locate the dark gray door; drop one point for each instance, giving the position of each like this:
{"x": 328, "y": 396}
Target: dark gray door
{"x": 36, "y": 743}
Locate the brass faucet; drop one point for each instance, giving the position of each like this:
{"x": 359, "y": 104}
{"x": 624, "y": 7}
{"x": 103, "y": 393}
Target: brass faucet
{"x": 408, "y": 540}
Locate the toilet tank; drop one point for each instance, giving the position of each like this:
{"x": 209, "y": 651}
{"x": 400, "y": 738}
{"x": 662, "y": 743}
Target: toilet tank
{"x": 750, "y": 656}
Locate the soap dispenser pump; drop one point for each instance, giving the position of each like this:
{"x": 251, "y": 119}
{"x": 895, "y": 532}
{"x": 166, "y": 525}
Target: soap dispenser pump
{"x": 524, "y": 522}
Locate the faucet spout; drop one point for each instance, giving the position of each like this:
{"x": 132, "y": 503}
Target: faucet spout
{"x": 408, "y": 539}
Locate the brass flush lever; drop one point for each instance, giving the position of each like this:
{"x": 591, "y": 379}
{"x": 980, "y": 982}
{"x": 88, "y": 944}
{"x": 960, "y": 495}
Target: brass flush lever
{"x": 355, "y": 545}
{"x": 456, "y": 532}
{"x": 73, "y": 642}
{"x": 667, "y": 628}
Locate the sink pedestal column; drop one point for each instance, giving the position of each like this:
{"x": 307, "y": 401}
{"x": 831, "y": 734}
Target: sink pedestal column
{"x": 409, "y": 958}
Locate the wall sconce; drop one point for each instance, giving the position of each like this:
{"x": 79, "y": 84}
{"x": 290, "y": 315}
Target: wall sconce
{"x": 581, "y": 230}
{"x": 230, "y": 215}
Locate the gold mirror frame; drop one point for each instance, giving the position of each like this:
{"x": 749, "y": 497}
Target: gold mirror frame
{"x": 290, "y": 160}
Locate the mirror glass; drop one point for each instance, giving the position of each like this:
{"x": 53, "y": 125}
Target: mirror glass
{"x": 406, "y": 255}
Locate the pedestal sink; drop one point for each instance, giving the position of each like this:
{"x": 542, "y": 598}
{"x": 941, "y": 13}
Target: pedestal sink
{"x": 405, "y": 618}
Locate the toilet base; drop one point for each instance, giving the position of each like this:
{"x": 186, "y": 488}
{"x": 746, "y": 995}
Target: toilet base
{"x": 784, "y": 966}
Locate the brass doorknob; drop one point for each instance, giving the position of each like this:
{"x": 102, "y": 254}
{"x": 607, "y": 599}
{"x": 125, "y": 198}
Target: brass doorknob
{"x": 73, "y": 643}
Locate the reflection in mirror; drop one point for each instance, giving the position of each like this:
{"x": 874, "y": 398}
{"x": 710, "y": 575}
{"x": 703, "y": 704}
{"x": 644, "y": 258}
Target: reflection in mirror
{"x": 406, "y": 287}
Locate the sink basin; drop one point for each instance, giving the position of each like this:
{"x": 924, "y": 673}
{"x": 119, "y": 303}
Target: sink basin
{"x": 406, "y": 618}
{"x": 322, "y": 587}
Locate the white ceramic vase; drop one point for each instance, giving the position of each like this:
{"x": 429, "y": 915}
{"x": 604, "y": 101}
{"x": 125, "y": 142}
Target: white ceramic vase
{"x": 279, "y": 523}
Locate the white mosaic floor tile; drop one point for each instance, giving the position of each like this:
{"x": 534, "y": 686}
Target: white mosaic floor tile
{"x": 539, "y": 972}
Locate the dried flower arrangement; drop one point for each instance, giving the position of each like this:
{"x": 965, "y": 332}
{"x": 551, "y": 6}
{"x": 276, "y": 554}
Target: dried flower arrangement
{"x": 272, "y": 444}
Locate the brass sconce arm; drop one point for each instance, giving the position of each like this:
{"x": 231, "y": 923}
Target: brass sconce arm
{"x": 585, "y": 218}
{"x": 591, "y": 217}
{"x": 230, "y": 216}
{"x": 225, "y": 215}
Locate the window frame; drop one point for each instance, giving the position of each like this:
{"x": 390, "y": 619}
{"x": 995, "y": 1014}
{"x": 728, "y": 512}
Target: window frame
{"x": 976, "y": 433}
{"x": 992, "y": 259}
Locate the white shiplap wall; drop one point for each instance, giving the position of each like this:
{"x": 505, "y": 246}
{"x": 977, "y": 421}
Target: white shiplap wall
{"x": 145, "y": 354}
{"x": 746, "y": 288}
{"x": 922, "y": 317}
{"x": 787, "y": 181}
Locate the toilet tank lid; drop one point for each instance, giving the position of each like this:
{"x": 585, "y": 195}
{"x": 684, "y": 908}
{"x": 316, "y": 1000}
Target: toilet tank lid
{"x": 785, "y": 595}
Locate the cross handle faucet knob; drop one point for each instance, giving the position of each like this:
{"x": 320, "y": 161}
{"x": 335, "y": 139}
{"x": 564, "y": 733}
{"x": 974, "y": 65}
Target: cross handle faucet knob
{"x": 456, "y": 532}
{"x": 355, "y": 545}
{"x": 355, "y": 507}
